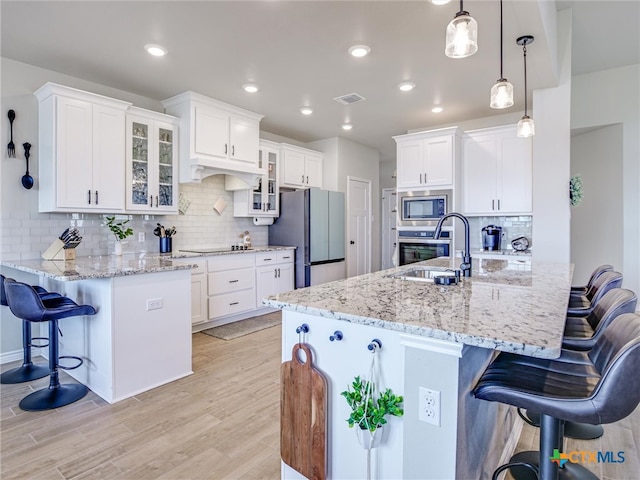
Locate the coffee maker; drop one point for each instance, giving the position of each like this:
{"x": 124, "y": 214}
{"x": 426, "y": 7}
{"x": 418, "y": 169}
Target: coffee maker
{"x": 491, "y": 237}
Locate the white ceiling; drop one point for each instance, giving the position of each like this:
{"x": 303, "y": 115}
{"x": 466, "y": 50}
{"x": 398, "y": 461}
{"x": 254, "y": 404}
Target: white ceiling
{"x": 296, "y": 51}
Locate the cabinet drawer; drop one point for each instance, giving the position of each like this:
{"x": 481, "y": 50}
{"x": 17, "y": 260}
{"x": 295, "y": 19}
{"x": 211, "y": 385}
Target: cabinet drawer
{"x": 231, "y": 303}
{"x": 231, "y": 280}
{"x": 231, "y": 261}
{"x": 266, "y": 258}
{"x": 286, "y": 256}
{"x": 201, "y": 262}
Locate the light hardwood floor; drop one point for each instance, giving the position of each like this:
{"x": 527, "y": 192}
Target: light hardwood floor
{"x": 220, "y": 423}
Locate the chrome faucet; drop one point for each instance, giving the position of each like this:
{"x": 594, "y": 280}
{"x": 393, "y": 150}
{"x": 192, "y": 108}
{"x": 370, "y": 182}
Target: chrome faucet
{"x": 465, "y": 266}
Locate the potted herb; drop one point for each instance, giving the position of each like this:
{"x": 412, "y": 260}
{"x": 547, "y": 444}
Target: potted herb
{"x": 120, "y": 231}
{"x": 369, "y": 409}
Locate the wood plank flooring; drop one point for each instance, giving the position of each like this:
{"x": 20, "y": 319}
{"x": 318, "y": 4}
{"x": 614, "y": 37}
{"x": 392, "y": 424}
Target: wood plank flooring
{"x": 220, "y": 423}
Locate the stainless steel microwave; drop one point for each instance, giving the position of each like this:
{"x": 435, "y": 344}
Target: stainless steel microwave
{"x": 419, "y": 209}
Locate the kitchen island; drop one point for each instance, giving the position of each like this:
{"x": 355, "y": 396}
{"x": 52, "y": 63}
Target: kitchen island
{"x": 435, "y": 337}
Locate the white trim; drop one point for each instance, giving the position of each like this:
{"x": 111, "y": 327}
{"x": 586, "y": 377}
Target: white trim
{"x": 432, "y": 345}
{"x": 17, "y": 355}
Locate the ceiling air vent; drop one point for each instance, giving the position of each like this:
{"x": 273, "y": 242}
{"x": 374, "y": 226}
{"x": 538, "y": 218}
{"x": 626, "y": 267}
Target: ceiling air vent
{"x": 349, "y": 99}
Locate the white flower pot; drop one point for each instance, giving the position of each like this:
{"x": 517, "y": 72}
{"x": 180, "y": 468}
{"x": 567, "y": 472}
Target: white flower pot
{"x": 369, "y": 439}
{"x": 117, "y": 248}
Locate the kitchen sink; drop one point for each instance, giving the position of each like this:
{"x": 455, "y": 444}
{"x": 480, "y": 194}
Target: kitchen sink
{"x": 439, "y": 275}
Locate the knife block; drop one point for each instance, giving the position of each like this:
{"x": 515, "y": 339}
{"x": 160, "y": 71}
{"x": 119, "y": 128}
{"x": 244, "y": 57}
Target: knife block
{"x": 56, "y": 251}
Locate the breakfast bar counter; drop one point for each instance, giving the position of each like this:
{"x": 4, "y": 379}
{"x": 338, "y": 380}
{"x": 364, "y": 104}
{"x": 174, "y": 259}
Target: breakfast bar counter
{"x": 434, "y": 337}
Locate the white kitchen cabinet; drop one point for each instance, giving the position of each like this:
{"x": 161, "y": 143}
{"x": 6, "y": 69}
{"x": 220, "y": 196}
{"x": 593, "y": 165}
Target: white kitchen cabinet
{"x": 152, "y": 169}
{"x": 231, "y": 284}
{"x": 81, "y": 151}
{"x": 497, "y": 172}
{"x": 199, "y": 289}
{"x": 300, "y": 167}
{"x": 215, "y": 138}
{"x": 263, "y": 199}
{"x": 427, "y": 159}
{"x": 274, "y": 273}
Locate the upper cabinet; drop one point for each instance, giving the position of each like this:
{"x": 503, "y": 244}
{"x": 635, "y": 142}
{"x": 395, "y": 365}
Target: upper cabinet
{"x": 215, "y": 138}
{"x": 497, "y": 172}
{"x": 81, "y": 151}
{"x": 300, "y": 167}
{"x": 427, "y": 159}
{"x": 263, "y": 199}
{"x": 151, "y": 169}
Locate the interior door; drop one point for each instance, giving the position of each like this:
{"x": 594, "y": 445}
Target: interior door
{"x": 358, "y": 226}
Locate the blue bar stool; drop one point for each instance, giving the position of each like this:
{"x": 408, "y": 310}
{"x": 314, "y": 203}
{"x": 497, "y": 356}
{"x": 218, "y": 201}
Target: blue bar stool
{"x": 25, "y": 303}
{"x": 28, "y": 370}
{"x": 596, "y": 387}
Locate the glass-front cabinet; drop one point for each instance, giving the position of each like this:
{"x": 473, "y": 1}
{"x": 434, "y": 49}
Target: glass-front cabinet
{"x": 152, "y": 176}
{"x": 262, "y": 199}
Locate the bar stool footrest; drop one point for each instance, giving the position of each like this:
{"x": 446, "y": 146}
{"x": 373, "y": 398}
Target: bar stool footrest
{"x": 570, "y": 471}
{"x": 43, "y": 345}
{"x": 25, "y": 373}
{"x": 575, "y": 430}
{"x": 50, "y": 398}
{"x": 73, "y": 367}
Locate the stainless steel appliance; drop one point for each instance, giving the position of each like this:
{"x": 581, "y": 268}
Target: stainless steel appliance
{"x": 491, "y": 237}
{"x": 420, "y": 209}
{"x": 419, "y": 245}
{"x": 313, "y": 221}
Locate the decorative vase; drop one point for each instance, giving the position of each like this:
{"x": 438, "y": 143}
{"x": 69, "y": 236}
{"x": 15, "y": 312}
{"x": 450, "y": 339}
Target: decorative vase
{"x": 369, "y": 439}
{"x": 117, "y": 248}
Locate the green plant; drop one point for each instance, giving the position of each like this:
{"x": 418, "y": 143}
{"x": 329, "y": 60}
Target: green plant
{"x": 575, "y": 190}
{"x": 367, "y": 410}
{"x": 118, "y": 228}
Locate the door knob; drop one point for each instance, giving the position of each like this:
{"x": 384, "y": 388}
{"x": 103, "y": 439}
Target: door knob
{"x": 352, "y": 242}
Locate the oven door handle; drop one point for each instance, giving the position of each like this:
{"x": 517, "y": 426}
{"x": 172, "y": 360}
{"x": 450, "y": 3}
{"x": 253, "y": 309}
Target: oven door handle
{"x": 422, "y": 240}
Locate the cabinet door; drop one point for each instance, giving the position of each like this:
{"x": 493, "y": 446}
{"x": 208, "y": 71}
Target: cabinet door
{"x": 139, "y": 172}
{"x": 199, "y": 298}
{"x": 313, "y": 171}
{"x": 244, "y": 140}
{"x": 108, "y": 158}
{"x": 479, "y": 175}
{"x": 515, "y": 175}
{"x": 266, "y": 282}
{"x": 166, "y": 167}
{"x": 292, "y": 168}
{"x": 74, "y": 150}
{"x": 438, "y": 155}
{"x": 211, "y": 132}
{"x": 285, "y": 277}
{"x": 271, "y": 188}
{"x": 410, "y": 164}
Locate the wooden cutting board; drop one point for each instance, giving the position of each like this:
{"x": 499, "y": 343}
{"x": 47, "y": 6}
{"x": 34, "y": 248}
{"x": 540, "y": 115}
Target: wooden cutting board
{"x": 303, "y": 415}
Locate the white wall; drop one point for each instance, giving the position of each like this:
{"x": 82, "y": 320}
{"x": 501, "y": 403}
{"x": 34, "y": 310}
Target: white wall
{"x": 606, "y": 98}
{"x": 597, "y": 230}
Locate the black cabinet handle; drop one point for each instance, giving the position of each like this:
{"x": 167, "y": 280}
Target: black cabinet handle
{"x": 225, "y": 148}
{"x": 89, "y": 197}
{"x": 234, "y": 303}
{"x": 233, "y": 150}
{"x": 96, "y": 197}
{"x": 233, "y": 281}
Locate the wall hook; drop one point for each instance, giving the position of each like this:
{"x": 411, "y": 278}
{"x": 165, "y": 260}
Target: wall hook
{"x": 337, "y": 336}
{"x": 304, "y": 328}
{"x": 374, "y": 345}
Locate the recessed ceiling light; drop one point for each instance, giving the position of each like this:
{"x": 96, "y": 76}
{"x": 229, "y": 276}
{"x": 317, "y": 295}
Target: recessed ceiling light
{"x": 155, "y": 50}
{"x": 440, "y": 2}
{"x": 347, "y": 126}
{"x": 250, "y": 88}
{"x": 407, "y": 86}
{"x": 437, "y": 109}
{"x": 359, "y": 50}
{"x": 306, "y": 110}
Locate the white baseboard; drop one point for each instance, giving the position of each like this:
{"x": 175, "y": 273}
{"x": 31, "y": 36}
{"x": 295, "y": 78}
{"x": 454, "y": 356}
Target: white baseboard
{"x": 16, "y": 355}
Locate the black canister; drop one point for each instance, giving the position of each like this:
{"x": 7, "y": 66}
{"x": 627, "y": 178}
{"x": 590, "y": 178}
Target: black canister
{"x": 491, "y": 237}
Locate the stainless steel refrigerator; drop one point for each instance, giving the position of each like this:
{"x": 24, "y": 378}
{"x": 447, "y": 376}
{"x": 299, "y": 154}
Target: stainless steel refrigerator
{"x": 313, "y": 221}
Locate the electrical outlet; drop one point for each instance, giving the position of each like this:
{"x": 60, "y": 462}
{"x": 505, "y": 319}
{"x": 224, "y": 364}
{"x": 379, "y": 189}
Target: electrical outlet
{"x": 141, "y": 237}
{"x": 429, "y": 406}
{"x": 154, "y": 303}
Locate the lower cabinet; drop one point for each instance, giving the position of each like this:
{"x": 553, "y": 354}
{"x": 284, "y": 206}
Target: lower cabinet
{"x": 274, "y": 273}
{"x": 199, "y": 292}
{"x": 232, "y": 286}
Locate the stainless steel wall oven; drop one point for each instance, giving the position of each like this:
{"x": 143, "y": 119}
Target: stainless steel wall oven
{"x": 419, "y": 245}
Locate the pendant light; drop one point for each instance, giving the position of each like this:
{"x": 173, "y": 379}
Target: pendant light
{"x": 525, "y": 127}
{"x": 462, "y": 35}
{"x": 502, "y": 91}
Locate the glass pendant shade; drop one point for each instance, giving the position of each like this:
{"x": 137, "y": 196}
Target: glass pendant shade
{"x": 526, "y": 127}
{"x": 462, "y": 36}
{"x": 502, "y": 94}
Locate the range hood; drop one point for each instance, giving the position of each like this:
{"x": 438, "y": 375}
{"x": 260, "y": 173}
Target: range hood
{"x": 200, "y": 169}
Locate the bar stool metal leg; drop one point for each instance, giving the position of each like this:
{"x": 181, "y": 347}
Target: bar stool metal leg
{"x": 57, "y": 395}
{"x": 28, "y": 371}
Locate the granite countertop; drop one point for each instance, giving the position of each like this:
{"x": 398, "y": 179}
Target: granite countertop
{"x": 105, "y": 266}
{"x": 500, "y": 253}
{"x": 511, "y": 305}
{"x": 208, "y": 251}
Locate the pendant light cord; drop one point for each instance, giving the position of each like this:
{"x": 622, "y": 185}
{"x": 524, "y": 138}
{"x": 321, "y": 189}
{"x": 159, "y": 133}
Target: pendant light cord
{"x": 524, "y": 49}
{"x": 501, "y": 41}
